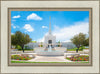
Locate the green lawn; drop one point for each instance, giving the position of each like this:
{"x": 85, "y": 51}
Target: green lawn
{"x": 80, "y": 49}
{"x": 27, "y": 50}
{"x": 46, "y": 62}
{"x": 73, "y": 50}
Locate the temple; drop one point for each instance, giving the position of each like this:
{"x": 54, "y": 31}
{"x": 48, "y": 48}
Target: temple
{"x": 50, "y": 39}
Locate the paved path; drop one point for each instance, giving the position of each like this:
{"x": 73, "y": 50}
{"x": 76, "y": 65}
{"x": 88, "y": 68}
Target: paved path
{"x": 49, "y": 59}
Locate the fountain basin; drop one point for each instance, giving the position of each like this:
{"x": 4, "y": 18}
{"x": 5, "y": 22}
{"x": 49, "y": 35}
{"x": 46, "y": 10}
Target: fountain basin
{"x": 52, "y": 53}
{"x": 58, "y": 51}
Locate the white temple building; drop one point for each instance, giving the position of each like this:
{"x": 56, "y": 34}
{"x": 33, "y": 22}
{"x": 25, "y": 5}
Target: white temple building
{"x": 50, "y": 39}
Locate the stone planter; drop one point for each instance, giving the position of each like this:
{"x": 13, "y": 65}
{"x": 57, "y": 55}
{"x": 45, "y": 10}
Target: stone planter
{"x": 33, "y": 55}
{"x": 70, "y": 54}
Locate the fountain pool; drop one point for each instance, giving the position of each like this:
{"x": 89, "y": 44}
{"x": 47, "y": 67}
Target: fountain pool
{"x": 50, "y": 52}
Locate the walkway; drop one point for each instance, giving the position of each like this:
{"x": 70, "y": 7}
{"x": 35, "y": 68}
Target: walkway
{"x": 50, "y": 59}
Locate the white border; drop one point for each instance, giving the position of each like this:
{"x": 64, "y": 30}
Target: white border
{"x": 61, "y": 69}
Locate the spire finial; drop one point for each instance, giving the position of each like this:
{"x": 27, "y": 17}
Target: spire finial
{"x": 50, "y": 26}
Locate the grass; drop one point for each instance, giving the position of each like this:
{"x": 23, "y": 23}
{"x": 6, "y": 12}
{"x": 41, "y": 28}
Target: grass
{"x": 47, "y": 62}
{"x": 27, "y": 50}
{"x": 73, "y": 50}
{"x": 80, "y": 49}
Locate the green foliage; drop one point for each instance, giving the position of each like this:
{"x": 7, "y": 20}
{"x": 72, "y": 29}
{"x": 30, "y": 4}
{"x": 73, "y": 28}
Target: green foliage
{"x": 12, "y": 61}
{"x": 20, "y": 39}
{"x": 74, "y": 49}
{"x": 26, "y": 49}
{"x": 58, "y": 45}
{"x": 79, "y": 40}
{"x": 41, "y": 45}
{"x": 18, "y": 47}
{"x": 34, "y": 41}
{"x": 81, "y": 48}
{"x": 59, "y": 42}
{"x": 86, "y": 42}
{"x": 13, "y": 40}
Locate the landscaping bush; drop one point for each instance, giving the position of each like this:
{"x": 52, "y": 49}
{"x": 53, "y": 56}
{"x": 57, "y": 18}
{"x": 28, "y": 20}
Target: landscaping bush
{"x": 74, "y": 49}
{"x": 41, "y": 45}
{"x": 18, "y": 47}
{"x": 78, "y": 58}
{"x": 18, "y": 57}
{"x": 81, "y": 48}
{"x": 24, "y": 49}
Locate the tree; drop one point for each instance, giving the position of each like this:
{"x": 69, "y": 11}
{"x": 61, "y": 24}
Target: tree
{"x": 41, "y": 44}
{"x": 86, "y": 42}
{"x": 78, "y": 40}
{"x": 13, "y": 40}
{"x": 20, "y": 39}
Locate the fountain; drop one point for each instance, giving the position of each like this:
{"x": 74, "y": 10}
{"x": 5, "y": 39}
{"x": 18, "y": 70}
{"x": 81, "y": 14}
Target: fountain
{"x": 49, "y": 51}
{"x": 49, "y": 48}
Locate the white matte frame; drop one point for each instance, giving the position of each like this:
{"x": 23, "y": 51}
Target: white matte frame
{"x": 50, "y": 69}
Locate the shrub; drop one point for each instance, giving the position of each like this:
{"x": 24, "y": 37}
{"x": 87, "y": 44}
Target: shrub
{"x": 25, "y": 49}
{"x": 81, "y": 48}
{"x": 18, "y": 47}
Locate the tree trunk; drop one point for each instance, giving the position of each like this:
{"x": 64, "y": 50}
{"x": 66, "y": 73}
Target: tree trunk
{"x": 23, "y": 48}
{"x": 77, "y": 50}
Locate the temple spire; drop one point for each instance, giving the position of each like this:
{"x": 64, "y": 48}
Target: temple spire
{"x": 50, "y": 26}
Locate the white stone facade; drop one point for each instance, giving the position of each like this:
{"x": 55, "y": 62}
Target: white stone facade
{"x": 48, "y": 38}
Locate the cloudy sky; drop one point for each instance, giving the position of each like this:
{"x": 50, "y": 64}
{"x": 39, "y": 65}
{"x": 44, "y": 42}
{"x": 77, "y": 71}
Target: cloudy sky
{"x": 64, "y": 24}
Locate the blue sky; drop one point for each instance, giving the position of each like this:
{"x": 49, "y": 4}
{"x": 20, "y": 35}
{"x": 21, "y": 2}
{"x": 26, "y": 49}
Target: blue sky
{"x": 64, "y": 24}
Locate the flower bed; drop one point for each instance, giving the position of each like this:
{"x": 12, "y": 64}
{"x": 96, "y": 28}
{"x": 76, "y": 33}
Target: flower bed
{"x": 78, "y": 58}
{"x": 18, "y": 57}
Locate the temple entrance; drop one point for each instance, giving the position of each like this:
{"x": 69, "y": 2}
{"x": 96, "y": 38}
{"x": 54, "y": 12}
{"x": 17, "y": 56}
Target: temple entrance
{"x": 49, "y": 41}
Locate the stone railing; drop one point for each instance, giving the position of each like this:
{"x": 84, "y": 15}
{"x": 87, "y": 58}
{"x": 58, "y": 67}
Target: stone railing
{"x": 20, "y": 52}
{"x": 39, "y": 49}
{"x": 86, "y": 51}
{"x": 61, "y": 48}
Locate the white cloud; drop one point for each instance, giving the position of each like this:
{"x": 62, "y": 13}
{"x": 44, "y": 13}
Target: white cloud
{"x": 14, "y": 26}
{"x": 18, "y": 16}
{"x": 66, "y": 33}
{"x": 28, "y": 28}
{"x": 44, "y": 27}
{"x": 41, "y": 39}
{"x": 33, "y": 16}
